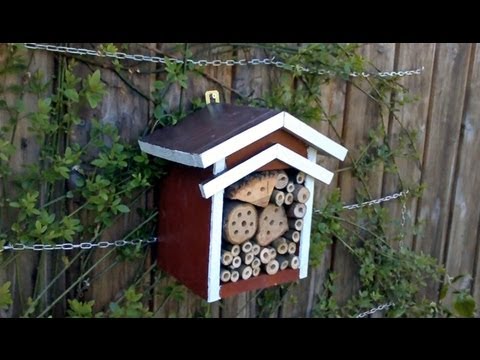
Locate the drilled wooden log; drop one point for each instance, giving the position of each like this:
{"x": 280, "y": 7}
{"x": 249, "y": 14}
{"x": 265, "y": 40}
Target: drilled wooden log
{"x": 278, "y": 197}
{"x": 283, "y": 261}
{"x": 245, "y": 272}
{"x": 288, "y": 199}
{"x": 255, "y": 189}
{"x": 256, "y": 249}
{"x": 300, "y": 177}
{"x": 227, "y": 257}
{"x": 264, "y": 255}
{"x": 293, "y": 235}
{"x": 292, "y": 247}
{"x": 296, "y": 224}
{"x": 256, "y": 271}
{"x": 235, "y": 276}
{"x": 247, "y": 258}
{"x": 281, "y": 179}
{"x": 240, "y": 221}
{"x": 247, "y": 246}
{"x": 280, "y": 245}
{"x": 225, "y": 275}
{"x": 301, "y": 194}
{"x": 290, "y": 186}
{"x": 236, "y": 262}
{"x": 233, "y": 249}
{"x": 296, "y": 210}
{"x": 272, "y": 267}
{"x": 272, "y": 224}
{"x": 294, "y": 262}
{"x": 256, "y": 263}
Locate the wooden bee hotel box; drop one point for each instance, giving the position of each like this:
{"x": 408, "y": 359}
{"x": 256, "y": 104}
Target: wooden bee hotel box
{"x": 235, "y": 207}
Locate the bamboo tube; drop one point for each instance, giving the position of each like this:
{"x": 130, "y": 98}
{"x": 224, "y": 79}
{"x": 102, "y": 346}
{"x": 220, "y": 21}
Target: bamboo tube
{"x": 225, "y": 275}
{"x": 234, "y": 249}
{"x": 278, "y": 197}
{"x": 301, "y": 194}
{"x": 247, "y": 246}
{"x": 296, "y": 210}
{"x": 273, "y": 252}
{"x": 283, "y": 261}
{"x": 265, "y": 255}
{"x": 236, "y": 262}
{"x": 272, "y": 267}
{"x": 280, "y": 245}
{"x": 256, "y": 263}
{"x": 292, "y": 247}
{"x": 292, "y": 235}
{"x": 300, "y": 178}
{"x": 227, "y": 257}
{"x": 288, "y": 199}
{"x": 294, "y": 263}
{"x": 247, "y": 258}
{"x": 256, "y": 249}
{"x": 296, "y": 224}
{"x": 282, "y": 180}
{"x": 256, "y": 271}
{"x": 290, "y": 186}
{"x": 235, "y": 275}
{"x": 245, "y": 272}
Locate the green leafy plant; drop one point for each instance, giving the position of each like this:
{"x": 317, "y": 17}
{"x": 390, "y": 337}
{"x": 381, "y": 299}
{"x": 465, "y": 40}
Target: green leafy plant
{"x": 5, "y": 296}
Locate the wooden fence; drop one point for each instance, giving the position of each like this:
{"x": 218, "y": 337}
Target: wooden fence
{"x": 446, "y": 116}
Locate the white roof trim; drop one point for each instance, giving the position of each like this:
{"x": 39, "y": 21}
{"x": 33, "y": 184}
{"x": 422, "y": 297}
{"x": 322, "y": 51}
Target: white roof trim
{"x": 241, "y": 140}
{"x": 276, "y": 151}
{"x": 180, "y": 157}
{"x": 247, "y": 137}
{"x": 313, "y": 137}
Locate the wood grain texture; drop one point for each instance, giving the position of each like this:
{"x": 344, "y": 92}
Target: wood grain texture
{"x": 465, "y": 212}
{"x": 362, "y": 115}
{"x": 412, "y": 117}
{"x": 443, "y": 132}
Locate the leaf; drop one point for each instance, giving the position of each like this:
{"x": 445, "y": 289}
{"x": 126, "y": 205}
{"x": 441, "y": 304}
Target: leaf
{"x": 71, "y": 94}
{"x": 123, "y": 208}
{"x": 464, "y": 305}
{"x": 443, "y": 292}
{"x": 5, "y": 296}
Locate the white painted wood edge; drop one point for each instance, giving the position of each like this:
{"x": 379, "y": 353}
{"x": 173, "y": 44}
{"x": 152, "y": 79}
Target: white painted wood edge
{"x": 304, "y": 251}
{"x": 313, "y": 137}
{"x": 276, "y": 151}
{"x": 241, "y": 140}
{"x": 171, "y": 155}
{"x": 214, "y": 254}
{"x": 236, "y": 173}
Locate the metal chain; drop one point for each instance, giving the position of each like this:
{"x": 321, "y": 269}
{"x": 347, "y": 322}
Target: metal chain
{"x": 83, "y": 245}
{"x": 217, "y": 62}
{"x": 378, "y": 201}
{"x": 375, "y": 309}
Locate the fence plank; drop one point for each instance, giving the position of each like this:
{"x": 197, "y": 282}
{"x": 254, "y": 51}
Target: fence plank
{"x": 443, "y": 130}
{"x": 361, "y": 115}
{"x": 465, "y": 211}
{"x": 412, "y": 117}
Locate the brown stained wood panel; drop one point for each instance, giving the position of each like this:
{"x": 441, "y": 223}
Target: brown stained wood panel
{"x": 445, "y": 119}
{"x": 277, "y": 137}
{"x": 259, "y": 282}
{"x": 184, "y": 227}
{"x": 209, "y": 127}
{"x": 129, "y": 112}
{"x": 362, "y": 114}
{"x": 22, "y": 271}
{"x": 465, "y": 212}
{"x": 412, "y": 117}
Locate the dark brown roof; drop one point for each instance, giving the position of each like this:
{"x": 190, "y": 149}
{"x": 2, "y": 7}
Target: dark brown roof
{"x": 208, "y": 127}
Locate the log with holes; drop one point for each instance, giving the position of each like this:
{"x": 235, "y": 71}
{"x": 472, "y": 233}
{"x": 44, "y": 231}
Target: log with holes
{"x": 262, "y": 224}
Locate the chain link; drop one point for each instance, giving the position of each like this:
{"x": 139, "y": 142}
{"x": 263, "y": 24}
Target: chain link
{"x": 216, "y": 62}
{"x": 83, "y": 245}
{"x": 376, "y": 201}
{"x": 375, "y": 309}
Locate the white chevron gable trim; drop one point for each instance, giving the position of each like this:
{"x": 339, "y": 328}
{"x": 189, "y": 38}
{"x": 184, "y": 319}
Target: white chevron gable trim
{"x": 276, "y": 151}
